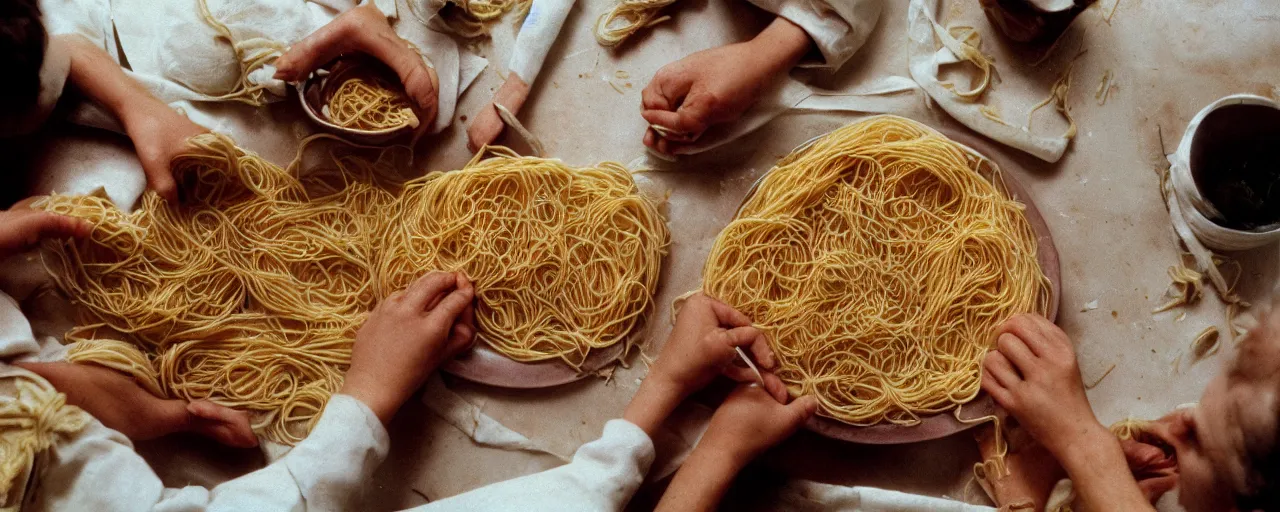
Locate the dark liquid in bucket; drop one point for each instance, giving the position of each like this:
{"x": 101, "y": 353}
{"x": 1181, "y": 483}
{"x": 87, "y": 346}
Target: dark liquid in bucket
{"x": 1235, "y": 161}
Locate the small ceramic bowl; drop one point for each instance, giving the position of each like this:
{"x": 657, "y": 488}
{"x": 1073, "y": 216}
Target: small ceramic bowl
{"x": 311, "y": 95}
{"x": 1223, "y": 122}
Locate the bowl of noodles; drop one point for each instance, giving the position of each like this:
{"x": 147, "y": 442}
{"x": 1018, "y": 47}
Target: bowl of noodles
{"x": 360, "y": 99}
{"x": 879, "y": 259}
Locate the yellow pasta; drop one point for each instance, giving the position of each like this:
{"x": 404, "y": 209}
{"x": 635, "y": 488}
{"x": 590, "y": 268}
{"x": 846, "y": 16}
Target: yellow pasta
{"x": 565, "y": 260}
{"x": 249, "y": 293}
{"x": 369, "y": 103}
{"x": 878, "y": 261}
{"x": 472, "y": 18}
{"x": 626, "y": 18}
{"x": 33, "y": 416}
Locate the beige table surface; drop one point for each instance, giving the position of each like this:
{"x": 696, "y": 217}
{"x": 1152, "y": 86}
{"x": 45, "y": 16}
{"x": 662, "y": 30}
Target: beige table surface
{"x": 1101, "y": 202}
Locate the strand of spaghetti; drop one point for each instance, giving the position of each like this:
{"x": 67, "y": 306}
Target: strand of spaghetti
{"x": 472, "y": 18}
{"x": 878, "y": 261}
{"x": 626, "y": 18}
{"x": 252, "y": 55}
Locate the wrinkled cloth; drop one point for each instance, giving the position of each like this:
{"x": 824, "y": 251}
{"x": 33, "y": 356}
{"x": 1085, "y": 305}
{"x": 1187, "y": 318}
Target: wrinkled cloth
{"x": 837, "y": 27}
{"x": 182, "y": 59}
{"x": 98, "y": 469}
{"x": 804, "y": 495}
{"x": 927, "y": 58}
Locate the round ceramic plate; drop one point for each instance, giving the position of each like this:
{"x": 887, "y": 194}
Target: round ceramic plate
{"x": 944, "y": 424}
{"x": 487, "y": 366}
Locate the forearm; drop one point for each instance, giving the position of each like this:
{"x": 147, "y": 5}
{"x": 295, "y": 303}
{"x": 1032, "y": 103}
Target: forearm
{"x": 1101, "y": 475}
{"x": 653, "y": 403}
{"x": 781, "y": 45}
{"x": 102, "y": 80}
{"x": 701, "y": 483}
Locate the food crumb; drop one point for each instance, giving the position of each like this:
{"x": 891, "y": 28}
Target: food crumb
{"x": 463, "y": 118}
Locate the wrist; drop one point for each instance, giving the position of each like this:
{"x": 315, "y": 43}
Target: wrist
{"x": 653, "y": 403}
{"x": 371, "y": 396}
{"x": 1086, "y": 447}
{"x": 714, "y": 467}
{"x": 730, "y": 453}
{"x": 783, "y": 44}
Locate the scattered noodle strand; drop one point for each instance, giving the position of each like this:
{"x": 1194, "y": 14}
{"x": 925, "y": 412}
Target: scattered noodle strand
{"x": 252, "y": 54}
{"x": 879, "y": 262}
{"x": 626, "y": 18}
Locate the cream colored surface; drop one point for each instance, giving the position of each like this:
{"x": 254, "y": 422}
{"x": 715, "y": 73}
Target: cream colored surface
{"x": 1101, "y": 201}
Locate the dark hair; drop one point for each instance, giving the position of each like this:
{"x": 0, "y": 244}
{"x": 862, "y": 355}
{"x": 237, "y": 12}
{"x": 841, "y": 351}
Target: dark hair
{"x": 22, "y": 46}
{"x": 1261, "y": 487}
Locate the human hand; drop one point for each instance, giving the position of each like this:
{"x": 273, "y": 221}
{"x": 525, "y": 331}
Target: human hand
{"x": 410, "y": 334}
{"x": 1033, "y": 374}
{"x": 704, "y": 344}
{"x": 488, "y": 124}
{"x": 366, "y": 30}
{"x": 751, "y": 421}
{"x": 21, "y": 227}
{"x": 1030, "y": 471}
{"x": 1155, "y": 470}
{"x": 746, "y": 424}
{"x": 160, "y": 133}
{"x": 718, "y": 85}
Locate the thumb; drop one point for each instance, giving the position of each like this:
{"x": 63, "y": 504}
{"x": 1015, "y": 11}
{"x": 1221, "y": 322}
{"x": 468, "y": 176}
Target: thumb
{"x": 800, "y": 410}
{"x": 313, "y": 51}
{"x": 161, "y": 181}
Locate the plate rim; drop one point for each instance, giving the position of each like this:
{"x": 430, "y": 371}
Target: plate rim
{"x": 946, "y": 423}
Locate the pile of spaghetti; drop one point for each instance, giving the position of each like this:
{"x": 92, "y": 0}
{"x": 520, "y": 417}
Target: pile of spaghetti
{"x": 565, "y": 261}
{"x": 250, "y": 292}
{"x": 879, "y": 260}
{"x": 366, "y": 97}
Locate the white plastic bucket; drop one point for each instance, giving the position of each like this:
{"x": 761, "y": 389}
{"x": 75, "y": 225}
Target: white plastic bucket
{"x": 1197, "y": 211}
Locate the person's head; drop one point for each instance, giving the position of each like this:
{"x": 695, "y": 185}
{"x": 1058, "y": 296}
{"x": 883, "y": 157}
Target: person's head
{"x": 23, "y": 42}
{"x": 1227, "y": 450}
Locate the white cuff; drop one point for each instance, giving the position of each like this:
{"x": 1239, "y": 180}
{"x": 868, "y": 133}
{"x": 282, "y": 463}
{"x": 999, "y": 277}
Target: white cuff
{"x": 837, "y": 27}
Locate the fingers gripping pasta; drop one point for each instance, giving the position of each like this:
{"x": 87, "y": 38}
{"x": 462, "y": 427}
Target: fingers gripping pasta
{"x": 879, "y": 260}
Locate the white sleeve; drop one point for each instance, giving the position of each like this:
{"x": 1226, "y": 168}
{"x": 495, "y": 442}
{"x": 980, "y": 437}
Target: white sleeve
{"x": 325, "y": 471}
{"x": 837, "y": 27}
{"x": 98, "y": 470}
{"x": 602, "y": 476}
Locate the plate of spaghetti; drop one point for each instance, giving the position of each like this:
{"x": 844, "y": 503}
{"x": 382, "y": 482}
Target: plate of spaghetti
{"x": 879, "y": 259}
{"x": 565, "y": 261}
